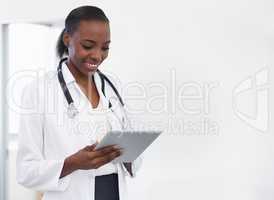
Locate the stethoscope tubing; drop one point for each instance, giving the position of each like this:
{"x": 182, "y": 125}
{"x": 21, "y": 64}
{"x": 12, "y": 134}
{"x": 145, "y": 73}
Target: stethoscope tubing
{"x": 72, "y": 110}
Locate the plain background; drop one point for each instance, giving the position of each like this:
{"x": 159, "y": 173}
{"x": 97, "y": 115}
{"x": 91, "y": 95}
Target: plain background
{"x": 205, "y": 49}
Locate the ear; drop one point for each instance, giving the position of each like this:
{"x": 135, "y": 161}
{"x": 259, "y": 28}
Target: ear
{"x": 66, "y": 39}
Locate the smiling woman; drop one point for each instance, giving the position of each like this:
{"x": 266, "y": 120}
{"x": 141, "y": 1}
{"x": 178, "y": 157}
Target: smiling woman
{"x": 60, "y": 161}
{"x": 86, "y": 43}
{"x": 88, "y": 46}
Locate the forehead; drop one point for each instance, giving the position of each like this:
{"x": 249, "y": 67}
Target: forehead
{"x": 93, "y": 30}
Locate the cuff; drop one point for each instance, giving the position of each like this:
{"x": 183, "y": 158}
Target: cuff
{"x": 135, "y": 165}
{"x": 50, "y": 174}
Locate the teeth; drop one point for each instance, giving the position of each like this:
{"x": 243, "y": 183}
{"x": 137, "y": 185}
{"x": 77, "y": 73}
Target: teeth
{"x": 92, "y": 65}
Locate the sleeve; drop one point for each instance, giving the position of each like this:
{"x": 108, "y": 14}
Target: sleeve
{"x": 135, "y": 166}
{"x": 32, "y": 169}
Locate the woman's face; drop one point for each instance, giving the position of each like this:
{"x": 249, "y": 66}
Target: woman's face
{"x": 88, "y": 46}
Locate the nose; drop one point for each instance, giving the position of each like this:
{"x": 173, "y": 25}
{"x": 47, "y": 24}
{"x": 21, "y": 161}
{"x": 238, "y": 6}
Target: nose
{"x": 96, "y": 56}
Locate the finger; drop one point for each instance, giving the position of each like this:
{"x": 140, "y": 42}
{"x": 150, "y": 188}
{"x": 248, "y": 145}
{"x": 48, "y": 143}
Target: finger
{"x": 108, "y": 154}
{"x": 107, "y": 149}
{"x": 103, "y": 152}
{"x": 114, "y": 146}
{"x": 91, "y": 147}
{"x": 109, "y": 157}
{"x": 99, "y": 161}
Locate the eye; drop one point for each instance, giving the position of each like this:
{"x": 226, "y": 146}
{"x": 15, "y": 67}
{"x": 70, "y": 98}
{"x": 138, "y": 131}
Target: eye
{"x": 87, "y": 47}
{"x": 105, "y": 48}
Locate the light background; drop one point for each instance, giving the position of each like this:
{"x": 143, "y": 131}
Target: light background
{"x": 201, "y": 42}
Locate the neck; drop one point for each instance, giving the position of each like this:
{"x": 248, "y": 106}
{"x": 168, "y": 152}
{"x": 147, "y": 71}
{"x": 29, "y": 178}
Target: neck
{"x": 79, "y": 77}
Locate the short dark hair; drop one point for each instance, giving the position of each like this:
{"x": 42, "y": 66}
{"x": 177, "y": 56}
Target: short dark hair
{"x": 73, "y": 20}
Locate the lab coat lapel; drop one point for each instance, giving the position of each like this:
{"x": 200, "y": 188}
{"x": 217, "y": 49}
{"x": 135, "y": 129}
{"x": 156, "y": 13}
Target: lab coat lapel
{"x": 112, "y": 118}
{"x": 98, "y": 84}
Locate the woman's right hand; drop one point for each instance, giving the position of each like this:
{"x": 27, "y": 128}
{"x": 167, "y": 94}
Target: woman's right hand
{"x": 89, "y": 158}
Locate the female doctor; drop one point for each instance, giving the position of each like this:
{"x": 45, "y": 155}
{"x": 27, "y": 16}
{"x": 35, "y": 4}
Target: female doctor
{"x": 68, "y": 112}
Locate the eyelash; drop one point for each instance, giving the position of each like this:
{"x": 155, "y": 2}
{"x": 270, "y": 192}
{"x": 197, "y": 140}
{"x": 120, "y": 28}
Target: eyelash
{"x": 106, "y": 49}
{"x": 88, "y": 48}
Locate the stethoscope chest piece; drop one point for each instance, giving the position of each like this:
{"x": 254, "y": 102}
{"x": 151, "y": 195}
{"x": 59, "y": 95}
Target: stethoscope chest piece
{"x": 72, "y": 111}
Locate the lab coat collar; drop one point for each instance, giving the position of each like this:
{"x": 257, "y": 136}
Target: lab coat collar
{"x": 69, "y": 78}
{"x": 98, "y": 84}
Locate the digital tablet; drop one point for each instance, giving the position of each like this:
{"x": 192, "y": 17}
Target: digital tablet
{"x": 133, "y": 143}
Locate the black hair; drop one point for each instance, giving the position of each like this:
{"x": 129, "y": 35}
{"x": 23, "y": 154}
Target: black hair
{"x": 73, "y": 20}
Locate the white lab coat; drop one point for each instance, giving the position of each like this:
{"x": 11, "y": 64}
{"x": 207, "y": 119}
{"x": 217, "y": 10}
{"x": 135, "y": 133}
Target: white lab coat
{"x": 48, "y": 136}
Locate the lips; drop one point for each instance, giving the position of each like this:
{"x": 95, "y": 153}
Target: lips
{"x": 91, "y": 66}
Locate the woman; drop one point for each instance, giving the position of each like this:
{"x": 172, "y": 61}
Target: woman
{"x": 56, "y": 152}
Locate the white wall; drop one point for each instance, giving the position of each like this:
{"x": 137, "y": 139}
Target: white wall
{"x": 210, "y": 46}
{"x": 2, "y": 166}
{"x": 29, "y": 55}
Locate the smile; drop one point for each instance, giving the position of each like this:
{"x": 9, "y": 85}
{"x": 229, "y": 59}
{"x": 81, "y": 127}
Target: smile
{"x": 92, "y": 65}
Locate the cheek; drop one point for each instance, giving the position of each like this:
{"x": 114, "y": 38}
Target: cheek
{"x": 80, "y": 52}
{"x": 76, "y": 51}
{"x": 71, "y": 51}
{"x": 105, "y": 55}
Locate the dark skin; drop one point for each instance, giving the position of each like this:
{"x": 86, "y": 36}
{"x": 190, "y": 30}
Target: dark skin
{"x": 88, "y": 47}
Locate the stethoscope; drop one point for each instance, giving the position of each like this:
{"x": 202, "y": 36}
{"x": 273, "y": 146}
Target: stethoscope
{"x": 72, "y": 111}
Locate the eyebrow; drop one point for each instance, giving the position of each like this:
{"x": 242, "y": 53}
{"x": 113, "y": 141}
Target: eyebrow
{"x": 92, "y": 41}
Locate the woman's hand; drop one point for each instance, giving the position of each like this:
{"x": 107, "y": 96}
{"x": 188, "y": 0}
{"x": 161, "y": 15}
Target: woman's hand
{"x": 89, "y": 158}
